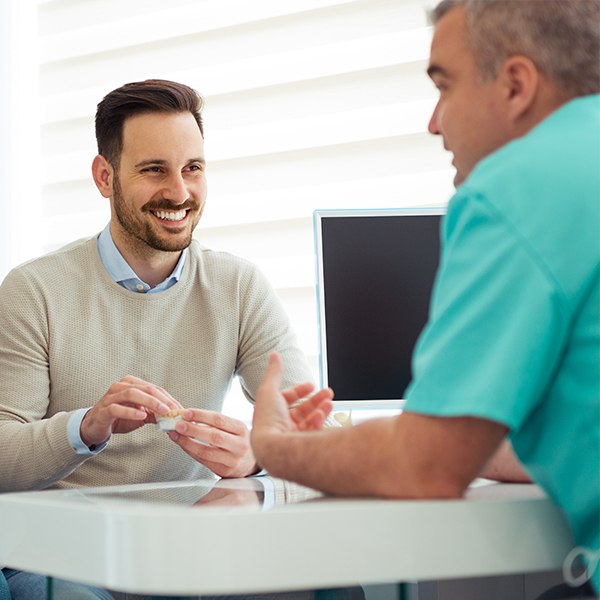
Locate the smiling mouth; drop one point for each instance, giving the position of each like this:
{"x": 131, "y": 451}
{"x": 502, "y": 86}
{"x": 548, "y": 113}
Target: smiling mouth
{"x": 170, "y": 215}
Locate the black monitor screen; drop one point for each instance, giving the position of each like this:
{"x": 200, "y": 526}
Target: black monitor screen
{"x": 376, "y": 274}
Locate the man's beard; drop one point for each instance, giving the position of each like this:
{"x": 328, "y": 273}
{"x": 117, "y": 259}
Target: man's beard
{"x": 142, "y": 231}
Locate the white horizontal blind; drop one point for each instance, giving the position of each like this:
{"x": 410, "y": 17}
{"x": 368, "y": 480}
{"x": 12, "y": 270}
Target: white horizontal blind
{"x": 309, "y": 104}
{"x": 20, "y": 171}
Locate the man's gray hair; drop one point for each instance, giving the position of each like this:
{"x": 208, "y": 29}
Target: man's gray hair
{"x": 562, "y": 38}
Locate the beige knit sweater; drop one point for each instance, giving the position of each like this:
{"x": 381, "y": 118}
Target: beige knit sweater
{"x": 67, "y": 332}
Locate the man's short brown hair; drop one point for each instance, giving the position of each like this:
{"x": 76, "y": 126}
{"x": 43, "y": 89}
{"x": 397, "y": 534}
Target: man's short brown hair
{"x": 150, "y": 96}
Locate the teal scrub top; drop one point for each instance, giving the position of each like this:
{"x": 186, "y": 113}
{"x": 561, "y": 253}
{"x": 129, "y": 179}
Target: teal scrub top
{"x": 514, "y": 327}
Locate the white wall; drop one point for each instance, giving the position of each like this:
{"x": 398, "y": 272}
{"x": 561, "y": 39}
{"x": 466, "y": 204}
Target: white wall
{"x": 20, "y": 163}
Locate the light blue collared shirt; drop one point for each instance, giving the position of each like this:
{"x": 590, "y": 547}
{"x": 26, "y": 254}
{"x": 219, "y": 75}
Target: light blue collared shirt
{"x": 120, "y": 271}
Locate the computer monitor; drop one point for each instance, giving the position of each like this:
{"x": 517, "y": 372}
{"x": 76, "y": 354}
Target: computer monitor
{"x": 375, "y": 273}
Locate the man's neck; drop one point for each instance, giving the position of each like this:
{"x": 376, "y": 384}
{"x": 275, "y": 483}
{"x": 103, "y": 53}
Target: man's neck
{"x": 549, "y": 99}
{"x": 150, "y": 265}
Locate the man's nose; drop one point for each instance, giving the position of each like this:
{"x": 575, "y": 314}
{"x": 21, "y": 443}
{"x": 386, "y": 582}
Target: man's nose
{"x": 176, "y": 189}
{"x": 434, "y": 125}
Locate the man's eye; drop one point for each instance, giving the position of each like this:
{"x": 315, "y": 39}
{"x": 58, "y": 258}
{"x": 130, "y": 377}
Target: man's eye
{"x": 195, "y": 168}
{"x": 151, "y": 170}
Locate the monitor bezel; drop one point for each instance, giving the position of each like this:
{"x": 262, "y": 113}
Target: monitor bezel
{"x": 318, "y": 216}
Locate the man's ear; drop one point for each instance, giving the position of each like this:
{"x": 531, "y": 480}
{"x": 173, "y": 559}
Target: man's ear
{"x": 520, "y": 79}
{"x": 103, "y": 174}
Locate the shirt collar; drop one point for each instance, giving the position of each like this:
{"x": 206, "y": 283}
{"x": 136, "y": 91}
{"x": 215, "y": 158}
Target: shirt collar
{"x": 119, "y": 270}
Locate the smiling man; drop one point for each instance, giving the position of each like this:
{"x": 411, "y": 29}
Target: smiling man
{"x": 512, "y": 346}
{"x": 148, "y": 226}
{"x": 98, "y": 338}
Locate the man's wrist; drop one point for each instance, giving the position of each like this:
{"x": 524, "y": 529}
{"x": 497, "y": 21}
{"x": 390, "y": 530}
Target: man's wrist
{"x": 74, "y": 435}
{"x": 257, "y": 471}
{"x": 86, "y": 439}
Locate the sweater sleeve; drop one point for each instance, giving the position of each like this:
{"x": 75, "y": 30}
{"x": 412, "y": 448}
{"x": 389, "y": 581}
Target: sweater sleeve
{"x": 264, "y": 328}
{"x": 34, "y": 447}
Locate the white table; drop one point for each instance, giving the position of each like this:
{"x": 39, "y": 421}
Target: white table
{"x": 113, "y": 538}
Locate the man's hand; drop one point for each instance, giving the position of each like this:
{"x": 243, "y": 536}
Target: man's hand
{"x": 310, "y": 414}
{"x": 272, "y": 414}
{"x": 222, "y": 443}
{"x": 219, "y": 442}
{"x": 128, "y": 404}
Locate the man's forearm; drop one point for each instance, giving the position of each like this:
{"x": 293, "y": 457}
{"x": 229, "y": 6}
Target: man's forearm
{"x": 34, "y": 456}
{"x": 411, "y": 456}
{"x": 334, "y": 461}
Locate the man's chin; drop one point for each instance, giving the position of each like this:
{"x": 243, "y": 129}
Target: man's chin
{"x": 173, "y": 247}
{"x": 458, "y": 179}
{"x": 169, "y": 245}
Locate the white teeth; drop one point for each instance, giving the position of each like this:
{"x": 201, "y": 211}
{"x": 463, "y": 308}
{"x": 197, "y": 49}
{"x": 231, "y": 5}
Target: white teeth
{"x": 171, "y": 216}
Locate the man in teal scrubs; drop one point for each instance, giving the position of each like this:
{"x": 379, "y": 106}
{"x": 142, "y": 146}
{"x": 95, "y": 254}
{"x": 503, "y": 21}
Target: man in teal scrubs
{"x": 512, "y": 347}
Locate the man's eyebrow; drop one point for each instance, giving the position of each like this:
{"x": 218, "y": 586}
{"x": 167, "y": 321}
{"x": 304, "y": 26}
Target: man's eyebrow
{"x": 162, "y": 162}
{"x": 151, "y": 161}
{"x": 436, "y": 70}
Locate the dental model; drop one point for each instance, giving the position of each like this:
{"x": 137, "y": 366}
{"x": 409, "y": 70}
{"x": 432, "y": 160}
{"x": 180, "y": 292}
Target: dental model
{"x": 168, "y": 421}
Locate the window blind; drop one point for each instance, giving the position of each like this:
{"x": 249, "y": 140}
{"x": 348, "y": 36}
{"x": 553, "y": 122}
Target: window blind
{"x": 308, "y": 104}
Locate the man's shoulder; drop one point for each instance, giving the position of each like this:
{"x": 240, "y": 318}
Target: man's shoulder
{"x": 540, "y": 193}
{"x": 567, "y": 137}
{"x": 57, "y": 262}
{"x": 225, "y": 273}
{"x": 220, "y": 260}
{"x": 555, "y": 162}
